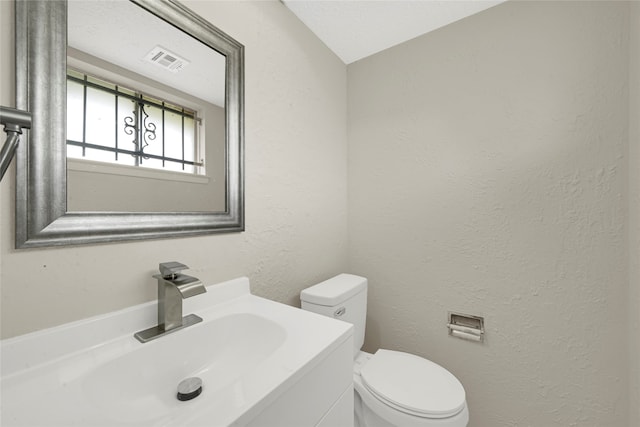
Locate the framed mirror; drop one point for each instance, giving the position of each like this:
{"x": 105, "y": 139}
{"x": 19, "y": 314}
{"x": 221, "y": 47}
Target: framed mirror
{"x": 168, "y": 160}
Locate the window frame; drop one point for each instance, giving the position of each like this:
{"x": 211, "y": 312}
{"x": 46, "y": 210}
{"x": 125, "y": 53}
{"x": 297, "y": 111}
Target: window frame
{"x": 135, "y": 90}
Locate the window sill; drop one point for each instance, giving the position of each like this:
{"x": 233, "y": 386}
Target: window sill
{"x": 113, "y": 169}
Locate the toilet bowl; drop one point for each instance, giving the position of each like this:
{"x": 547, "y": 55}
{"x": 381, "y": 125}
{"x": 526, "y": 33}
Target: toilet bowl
{"x": 438, "y": 403}
{"x": 391, "y": 388}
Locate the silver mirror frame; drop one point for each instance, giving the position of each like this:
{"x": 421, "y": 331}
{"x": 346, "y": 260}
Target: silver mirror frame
{"x": 41, "y": 174}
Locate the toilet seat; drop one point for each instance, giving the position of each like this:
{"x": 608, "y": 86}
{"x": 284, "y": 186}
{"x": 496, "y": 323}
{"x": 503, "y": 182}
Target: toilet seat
{"x": 413, "y": 385}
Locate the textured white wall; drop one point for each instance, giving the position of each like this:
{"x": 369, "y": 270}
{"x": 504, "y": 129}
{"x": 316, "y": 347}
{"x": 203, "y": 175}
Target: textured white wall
{"x": 487, "y": 175}
{"x": 634, "y": 215}
{"x": 295, "y": 188}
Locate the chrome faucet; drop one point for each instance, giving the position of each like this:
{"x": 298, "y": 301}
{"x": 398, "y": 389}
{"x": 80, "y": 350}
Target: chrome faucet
{"x": 173, "y": 287}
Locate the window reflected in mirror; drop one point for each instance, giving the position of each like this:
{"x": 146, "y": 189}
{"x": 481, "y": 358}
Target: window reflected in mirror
{"x": 110, "y": 123}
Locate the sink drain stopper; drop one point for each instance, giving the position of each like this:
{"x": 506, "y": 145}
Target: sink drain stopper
{"x": 189, "y": 388}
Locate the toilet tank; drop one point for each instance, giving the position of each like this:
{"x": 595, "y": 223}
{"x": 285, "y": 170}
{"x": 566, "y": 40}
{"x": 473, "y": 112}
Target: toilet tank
{"x": 343, "y": 297}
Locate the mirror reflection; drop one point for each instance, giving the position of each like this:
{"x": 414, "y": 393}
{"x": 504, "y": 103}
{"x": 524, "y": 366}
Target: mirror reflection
{"x": 45, "y": 216}
{"x": 145, "y": 114}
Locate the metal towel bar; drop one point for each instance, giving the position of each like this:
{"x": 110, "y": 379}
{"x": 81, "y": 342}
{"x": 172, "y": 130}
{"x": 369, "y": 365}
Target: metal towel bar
{"x": 14, "y": 121}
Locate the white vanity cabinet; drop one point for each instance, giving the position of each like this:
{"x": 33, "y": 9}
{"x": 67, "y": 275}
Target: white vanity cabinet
{"x": 323, "y": 397}
{"x": 261, "y": 363}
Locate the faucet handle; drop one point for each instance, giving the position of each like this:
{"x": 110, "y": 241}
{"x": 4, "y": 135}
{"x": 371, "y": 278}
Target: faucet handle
{"x": 168, "y": 270}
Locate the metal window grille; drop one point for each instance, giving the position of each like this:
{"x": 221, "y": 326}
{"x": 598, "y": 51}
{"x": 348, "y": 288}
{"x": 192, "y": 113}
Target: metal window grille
{"x": 111, "y": 123}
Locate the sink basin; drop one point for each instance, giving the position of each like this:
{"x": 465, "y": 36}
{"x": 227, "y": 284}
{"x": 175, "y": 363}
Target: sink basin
{"x": 141, "y": 385}
{"x": 95, "y": 373}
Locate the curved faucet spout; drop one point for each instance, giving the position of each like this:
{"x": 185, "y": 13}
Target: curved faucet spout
{"x": 187, "y": 286}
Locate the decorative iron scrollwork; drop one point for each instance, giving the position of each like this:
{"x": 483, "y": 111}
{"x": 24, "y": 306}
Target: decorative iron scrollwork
{"x": 142, "y": 128}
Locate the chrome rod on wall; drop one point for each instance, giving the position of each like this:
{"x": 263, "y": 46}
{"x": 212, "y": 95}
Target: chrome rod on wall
{"x": 13, "y": 121}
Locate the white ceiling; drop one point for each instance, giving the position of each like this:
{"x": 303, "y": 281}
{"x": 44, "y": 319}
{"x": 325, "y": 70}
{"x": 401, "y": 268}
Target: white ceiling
{"x": 355, "y": 29}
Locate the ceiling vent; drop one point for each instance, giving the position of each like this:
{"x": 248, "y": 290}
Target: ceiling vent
{"x": 166, "y": 59}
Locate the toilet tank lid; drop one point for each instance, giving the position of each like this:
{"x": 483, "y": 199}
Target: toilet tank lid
{"x": 335, "y": 290}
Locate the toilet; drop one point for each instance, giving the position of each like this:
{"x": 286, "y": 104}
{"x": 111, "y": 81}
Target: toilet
{"x": 391, "y": 388}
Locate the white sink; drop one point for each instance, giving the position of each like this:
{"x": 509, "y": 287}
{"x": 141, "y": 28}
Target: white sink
{"x": 247, "y": 352}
